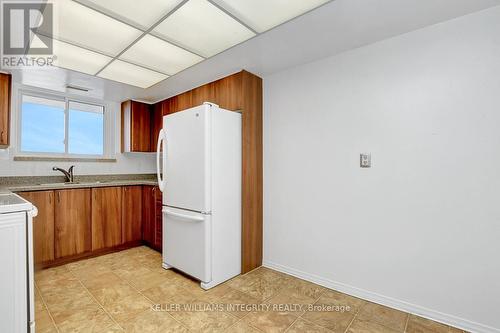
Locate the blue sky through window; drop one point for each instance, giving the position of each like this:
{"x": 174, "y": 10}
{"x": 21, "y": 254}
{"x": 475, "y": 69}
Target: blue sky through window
{"x": 86, "y": 132}
{"x": 43, "y": 127}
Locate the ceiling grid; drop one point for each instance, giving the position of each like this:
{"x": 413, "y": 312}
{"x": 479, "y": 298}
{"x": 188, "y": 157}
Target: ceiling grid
{"x": 141, "y": 43}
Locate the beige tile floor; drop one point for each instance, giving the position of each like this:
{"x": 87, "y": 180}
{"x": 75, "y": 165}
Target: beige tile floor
{"x": 128, "y": 291}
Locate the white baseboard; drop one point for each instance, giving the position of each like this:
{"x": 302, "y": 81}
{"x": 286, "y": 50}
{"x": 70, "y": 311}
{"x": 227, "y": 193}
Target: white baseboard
{"x": 387, "y": 301}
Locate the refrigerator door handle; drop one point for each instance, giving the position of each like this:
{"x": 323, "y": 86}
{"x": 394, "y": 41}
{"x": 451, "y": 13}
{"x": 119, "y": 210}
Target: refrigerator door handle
{"x": 161, "y": 138}
{"x": 183, "y": 216}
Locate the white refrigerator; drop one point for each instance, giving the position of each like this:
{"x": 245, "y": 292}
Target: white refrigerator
{"x": 199, "y": 173}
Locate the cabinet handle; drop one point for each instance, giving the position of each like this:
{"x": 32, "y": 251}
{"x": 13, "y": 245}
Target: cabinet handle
{"x": 50, "y": 198}
{"x": 1, "y": 136}
{"x": 58, "y": 197}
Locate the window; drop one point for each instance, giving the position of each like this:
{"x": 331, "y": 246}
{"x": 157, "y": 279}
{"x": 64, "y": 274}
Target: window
{"x": 59, "y": 126}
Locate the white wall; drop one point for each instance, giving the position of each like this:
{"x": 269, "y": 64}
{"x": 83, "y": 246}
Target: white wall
{"x": 420, "y": 230}
{"x": 128, "y": 163}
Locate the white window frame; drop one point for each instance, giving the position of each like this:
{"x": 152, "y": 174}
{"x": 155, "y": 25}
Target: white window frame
{"x": 108, "y": 125}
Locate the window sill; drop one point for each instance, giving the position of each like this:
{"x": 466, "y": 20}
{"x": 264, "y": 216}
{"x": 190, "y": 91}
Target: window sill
{"x": 64, "y": 159}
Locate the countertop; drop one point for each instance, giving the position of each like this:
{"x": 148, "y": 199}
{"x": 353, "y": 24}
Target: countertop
{"x": 23, "y": 184}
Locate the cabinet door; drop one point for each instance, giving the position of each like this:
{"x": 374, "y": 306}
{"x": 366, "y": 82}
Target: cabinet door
{"x": 205, "y": 93}
{"x": 140, "y": 127}
{"x": 148, "y": 214}
{"x": 106, "y": 217}
{"x": 229, "y": 92}
{"x": 136, "y": 127}
{"x": 170, "y": 105}
{"x": 132, "y": 214}
{"x": 43, "y": 224}
{"x": 156, "y": 124}
{"x": 158, "y": 231}
{"x": 5, "y": 88}
{"x": 184, "y": 101}
{"x": 72, "y": 222}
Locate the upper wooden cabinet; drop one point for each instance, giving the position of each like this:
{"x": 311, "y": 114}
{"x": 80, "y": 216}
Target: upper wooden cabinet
{"x": 205, "y": 93}
{"x": 131, "y": 214}
{"x": 106, "y": 217}
{"x": 156, "y": 124}
{"x": 72, "y": 222}
{"x": 136, "y": 127}
{"x": 5, "y": 90}
{"x": 43, "y": 225}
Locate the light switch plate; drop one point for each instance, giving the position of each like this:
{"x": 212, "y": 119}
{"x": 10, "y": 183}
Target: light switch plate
{"x": 365, "y": 160}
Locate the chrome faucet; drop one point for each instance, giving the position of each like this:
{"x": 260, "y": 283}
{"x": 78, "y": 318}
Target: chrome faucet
{"x": 68, "y": 174}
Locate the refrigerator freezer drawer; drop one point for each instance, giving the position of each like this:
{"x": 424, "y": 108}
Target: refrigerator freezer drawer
{"x": 187, "y": 242}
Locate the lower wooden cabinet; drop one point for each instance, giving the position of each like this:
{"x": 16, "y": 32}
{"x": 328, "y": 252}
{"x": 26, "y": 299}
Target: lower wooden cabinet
{"x": 72, "y": 222}
{"x": 152, "y": 217}
{"x": 106, "y": 217}
{"x": 43, "y": 225}
{"x": 131, "y": 214}
{"x": 76, "y": 223}
{"x": 148, "y": 213}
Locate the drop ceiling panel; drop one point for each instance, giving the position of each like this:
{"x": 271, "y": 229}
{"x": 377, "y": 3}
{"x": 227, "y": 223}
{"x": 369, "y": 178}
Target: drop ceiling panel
{"x": 263, "y": 15}
{"x": 157, "y": 54}
{"x": 83, "y": 26}
{"x": 143, "y": 14}
{"x": 72, "y": 57}
{"x": 200, "y": 26}
{"x": 131, "y": 74}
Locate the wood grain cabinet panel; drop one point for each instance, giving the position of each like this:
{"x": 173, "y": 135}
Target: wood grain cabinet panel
{"x": 229, "y": 92}
{"x": 72, "y": 222}
{"x": 184, "y": 101}
{"x": 156, "y": 124}
{"x": 136, "y": 127}
{"x": 158, "y": 241}
{"x": 106, "y": 217}
{"x": 5, "y": 95}
{"x": 152, "y": 217}
{"x": 205, "y": 93}
{"x": 148, "y": 214}
{"x": 131, "y": 214}
{"x": 43, "y": 225}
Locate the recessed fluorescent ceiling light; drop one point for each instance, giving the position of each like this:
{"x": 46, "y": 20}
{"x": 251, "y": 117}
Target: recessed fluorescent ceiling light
{"x": 83, "y": 26}
{"x": 131, "y": 74}
{"x": 263, "y": 15}
{"x": 203, "y": 28}
{"x": 73, "y": 57}
{"x": 157, "y": 54}
{"x": 142, "y": 13}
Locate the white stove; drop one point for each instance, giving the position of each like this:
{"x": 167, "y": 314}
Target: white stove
{"x": 17, "y": 312}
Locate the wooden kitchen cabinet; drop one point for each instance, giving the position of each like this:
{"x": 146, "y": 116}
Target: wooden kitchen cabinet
{"x": 148, "y": 212}
{"x": 184, "y": 101}
{"x": 132, "y": 214}
{"x": 43, "y": 225}
{"x": 152, "y": 217}
{"x": 5, "y": 94}
{"x": 106, "y": 217}
{"x": 156, "y": 124}
{"x": 72, "y": 222}
{"x": 136, "y": 127}
{"x": 205, "y": 93}
{"x": 229, "y": 92}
